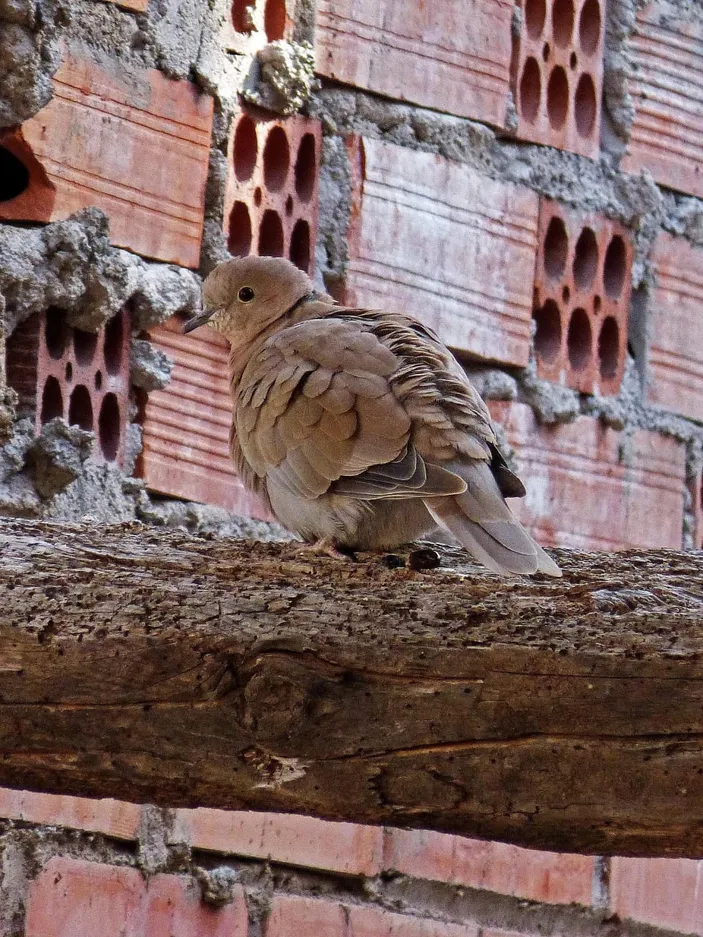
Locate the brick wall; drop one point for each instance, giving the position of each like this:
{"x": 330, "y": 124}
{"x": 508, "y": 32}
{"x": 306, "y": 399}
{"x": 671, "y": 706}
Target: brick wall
{"x": 78, "y": 868}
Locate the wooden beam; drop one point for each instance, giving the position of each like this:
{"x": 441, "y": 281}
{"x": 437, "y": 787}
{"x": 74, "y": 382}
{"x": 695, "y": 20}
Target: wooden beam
{"x": 158, "y": 667}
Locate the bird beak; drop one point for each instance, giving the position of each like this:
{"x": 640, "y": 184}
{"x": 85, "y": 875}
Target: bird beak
{"x": 201, "y": 318}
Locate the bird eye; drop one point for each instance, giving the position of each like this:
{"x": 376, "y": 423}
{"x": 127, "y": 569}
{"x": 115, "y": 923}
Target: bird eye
{"x": 246, "y": 294}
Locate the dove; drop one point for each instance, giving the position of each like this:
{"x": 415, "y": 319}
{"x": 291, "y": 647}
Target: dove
{"x": 358, "y": 428}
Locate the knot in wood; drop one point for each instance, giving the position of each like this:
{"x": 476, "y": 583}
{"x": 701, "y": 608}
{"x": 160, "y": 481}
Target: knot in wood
{"x": 274, "y": 703}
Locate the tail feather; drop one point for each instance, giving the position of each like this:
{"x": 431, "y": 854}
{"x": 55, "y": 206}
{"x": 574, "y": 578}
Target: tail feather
{"x": 481, "y": 520}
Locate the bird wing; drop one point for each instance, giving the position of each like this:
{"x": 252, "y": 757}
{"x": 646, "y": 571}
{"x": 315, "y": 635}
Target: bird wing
{"x": 316, "y": 411}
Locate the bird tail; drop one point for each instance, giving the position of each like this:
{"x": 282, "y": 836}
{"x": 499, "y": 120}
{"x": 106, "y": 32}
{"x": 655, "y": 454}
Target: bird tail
{"x": 483, "y": 523}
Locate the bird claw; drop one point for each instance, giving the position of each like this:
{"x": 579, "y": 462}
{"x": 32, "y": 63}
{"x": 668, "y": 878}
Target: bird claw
{"x": 327, "y": 547}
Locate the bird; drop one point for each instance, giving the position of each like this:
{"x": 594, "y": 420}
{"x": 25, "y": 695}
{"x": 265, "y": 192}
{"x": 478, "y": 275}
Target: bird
{"x": 358, "y": 428}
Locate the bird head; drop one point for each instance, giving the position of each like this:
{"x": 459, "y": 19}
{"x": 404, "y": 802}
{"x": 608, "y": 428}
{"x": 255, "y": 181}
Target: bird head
{"x": 242, "y": 297}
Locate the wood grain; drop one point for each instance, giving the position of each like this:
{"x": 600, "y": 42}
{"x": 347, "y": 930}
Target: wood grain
{"x": 158, "y": 667}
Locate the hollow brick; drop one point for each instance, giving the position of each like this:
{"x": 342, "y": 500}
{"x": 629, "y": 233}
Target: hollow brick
{"x": 112, "y": 818}
{"x": 138, "y": 149}
{"x": 438, "y": 240}
{"x": 666, "y": 893}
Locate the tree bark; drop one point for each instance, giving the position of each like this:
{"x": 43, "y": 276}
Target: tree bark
{"x": 157, "y": 667}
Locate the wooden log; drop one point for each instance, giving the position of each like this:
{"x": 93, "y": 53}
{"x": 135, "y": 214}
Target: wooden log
{"x": 158, "y": 667}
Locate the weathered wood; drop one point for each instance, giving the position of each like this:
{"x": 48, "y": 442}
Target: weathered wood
{"x": 158, "y": 667}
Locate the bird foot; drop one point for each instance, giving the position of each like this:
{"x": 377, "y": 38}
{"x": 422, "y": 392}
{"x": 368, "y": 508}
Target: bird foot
{"x": 326, "y": 546}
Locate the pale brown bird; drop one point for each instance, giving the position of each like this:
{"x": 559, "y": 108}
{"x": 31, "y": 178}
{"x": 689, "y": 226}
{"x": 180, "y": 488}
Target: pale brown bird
{"x": 358, "y": 427}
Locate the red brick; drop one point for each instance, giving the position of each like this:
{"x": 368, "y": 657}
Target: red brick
{"x": 136, "y": 148}
{"x": 295, "y": 840}
{"x": 138, "y": 6}
{"x": 439, "y": 241}
{"x": 271, "y": 196}
{"x": 375, "y": 922}
{"x": 253, "y": 23}
{"x": 25, "y": 188}
{"x": 464, "y": 49}
{"x": 313, "y": 916}
{"x": 675, "y": 358}
{"x": 80, "y": 376}
{"x": 663, "y": 892}
{"x": 558, "y": 74}
{"x": 666, "y": 137}
{"x": 549, "y": 877}
{"x": 590, "y": 487}
{"x": 74, "y": 898}
{"x": 186, "y": 425}
{"x": 113, "y": 818}
{"x": 695, "y": 487}
{"x": 582, "y": 297}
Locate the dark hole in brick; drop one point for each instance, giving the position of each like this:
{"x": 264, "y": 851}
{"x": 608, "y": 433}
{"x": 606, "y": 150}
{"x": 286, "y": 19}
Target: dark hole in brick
{"x": 51, "y": 401}
{"x": 615, "y": 267}
{"x": 84, "y": 345}
{"x": 245, "y": 148}
{"x": 69, "y": 372}
{"x": 546, "y": 51}
{"x": 114, "y": 339}
{"x": 548, "y": 334}
{"x": 585, "y": 259}
{"x": 585, "y": 105}
{"x": 80, "y": 408}
{"x": 239, "y": 240}
{"x": 300, "y": 245}
{"x": 573, "y": 61}
{"x": 242, "y": 16}
{"x": 258, "y": 195}
{"x": 579, "y": 340}
{"x": 535, "y": 15}
{"x": 609, "y": 348}
{"x": 275, "y": 19}
{"x": 596, "y": 304}
{"x": 276, "y": 159}
{"x": 530, "y": 90}
{"x": 589, "y": 26}
{"x": 563, "y": 21}
{"x": 109, "y": 427}
{"x": 556, "y": 248}
{"x": 306, "y": 167}
{"x": 289, "y": 205}
{"x": 271, "y": 235}
{"x": 558, "y": 97}
{"x": 566, "y": 294}
{"x": 55, "y": 332}
{"x": 14, "y": 176}
{"x": 98, "y": 380}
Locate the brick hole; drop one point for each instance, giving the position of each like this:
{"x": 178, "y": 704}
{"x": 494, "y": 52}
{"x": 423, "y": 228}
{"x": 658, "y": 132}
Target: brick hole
{"x": 579, "y": 340}
{"x": 289, "y": 205}
{"x": 55, "y": 333}
{"x": 300, "y": 245}
{"x": 306, "y": 168}
{"x": 51, "y": 401}
{"x": 258, "y": 195}
{"x": 14, "y": 176}
{"x": 573, "y": 61}
{"x": 585, "y": 105}
{"x": 596, "y": 304}
{"x": 590, "y": 26}
{"x": 614, "y": 267}
{"x": 98, "y": 380}
{"x": 562, "y": 21}
{"x": 80, "y": 408}
{"x": 546, "y": 51}
{"x": 585, "y": 259}
{"x": 275, "y": 19}
{"x": 276, "y": 159}
{"x": 240, "y": 232}
{"x": 609, "y": 348}
{"x": 245, "y": 149}
{"x": 242, "y": 18}
{"x": 558, "y": 97}
{"x": 69, "y": 371}
{"x": 556, "y": 248}
{"x": 566, "y": 294}
{"x": 84, "y": 345}
{"x": 548, "y": 334}
{"x": 114, "y": 338}
{"x": 271, "y": 235}
{"x": 109, "y": 427}
{"x": 535, "y": 15}
{"x": 530, "y": 90}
